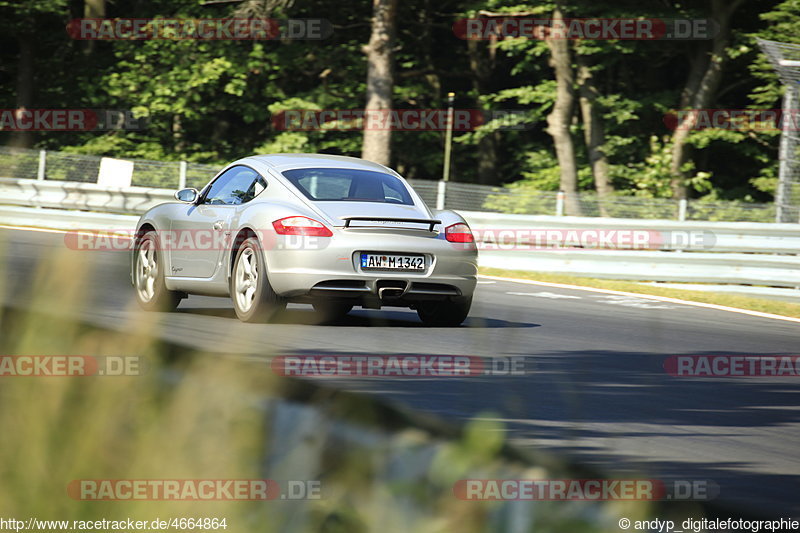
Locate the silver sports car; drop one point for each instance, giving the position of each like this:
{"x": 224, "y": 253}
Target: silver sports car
{"x": 332, "y": 231}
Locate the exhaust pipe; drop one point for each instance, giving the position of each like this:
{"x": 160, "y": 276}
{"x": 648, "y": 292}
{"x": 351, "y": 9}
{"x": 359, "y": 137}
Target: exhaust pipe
{"x": 392, "y": 289}
{"x": 390, "y": 292}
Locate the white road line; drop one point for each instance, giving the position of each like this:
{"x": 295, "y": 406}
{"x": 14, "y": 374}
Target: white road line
{"x": 647, "y": 296}
{"x": 93, "y": 233}
{"x": 551, "y": 295}
{"x": 627, "y": 301}
{"x": 123, "y": 234}
{"x": 38, "y": 230}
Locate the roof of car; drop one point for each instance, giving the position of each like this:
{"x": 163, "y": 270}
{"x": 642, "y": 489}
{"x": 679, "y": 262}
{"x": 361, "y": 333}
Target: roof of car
{"x": 281, "y": 162}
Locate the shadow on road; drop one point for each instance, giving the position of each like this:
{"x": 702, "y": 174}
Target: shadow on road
{"x": 622, "y": 412}
{"x": 357, "y": 318}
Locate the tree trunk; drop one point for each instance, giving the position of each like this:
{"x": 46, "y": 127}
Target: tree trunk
{"x": 558, "y": 121}
{"x": 93, "y": 9}
{"x": 481, "y": 64}
{"x": 594, "y": 133}
{"x": 178, "y": 141}
{"x": 702, "y": 84}
{"x": 380, "y": 80}
{"x": 24, "y": 100}
{"x": 221, "y": 128}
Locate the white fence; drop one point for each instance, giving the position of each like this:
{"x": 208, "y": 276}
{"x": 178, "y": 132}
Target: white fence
{"x": 47, "y": 165}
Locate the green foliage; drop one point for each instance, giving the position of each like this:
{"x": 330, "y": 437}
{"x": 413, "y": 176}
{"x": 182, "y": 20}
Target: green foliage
{"x": 651, "y": 178}
{"x": 480, "y": 445}
{"x": 285, "y": 142}
{"x": 711, "y": 208}
{"x": 213, "y": 101}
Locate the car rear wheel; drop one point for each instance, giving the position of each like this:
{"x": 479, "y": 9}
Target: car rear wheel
{"x": 444, "y": 314}
{"x": 254, "y": 299}
{"x": 148, "y": 277}
{"x": 331, "y": 311}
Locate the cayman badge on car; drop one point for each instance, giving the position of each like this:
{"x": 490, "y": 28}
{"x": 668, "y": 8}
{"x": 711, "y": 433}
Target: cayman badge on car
{"x": 331, "y": 231}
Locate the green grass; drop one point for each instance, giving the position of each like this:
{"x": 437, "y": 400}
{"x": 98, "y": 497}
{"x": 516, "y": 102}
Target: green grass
{"x": 729, "y": 300}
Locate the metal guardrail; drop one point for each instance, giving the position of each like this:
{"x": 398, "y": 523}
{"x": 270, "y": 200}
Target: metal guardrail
{"x": 741, "y": 253}
{"x": 83, "y": 196}
{"x": 63, "y": 219}
{"x": 745, "y": 237}
{"x": 738, "y": 269}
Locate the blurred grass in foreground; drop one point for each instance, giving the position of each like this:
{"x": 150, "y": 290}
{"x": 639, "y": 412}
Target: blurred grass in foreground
{"x": 205, "y": 416}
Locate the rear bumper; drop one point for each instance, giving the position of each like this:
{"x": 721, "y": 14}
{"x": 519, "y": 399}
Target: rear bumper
{"x": 333, "y": 270}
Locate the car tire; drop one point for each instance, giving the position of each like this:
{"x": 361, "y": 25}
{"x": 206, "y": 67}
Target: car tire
{"x": 448, "y": 313}
{"x": 148, "y": 277}
{"x": 331, "y": 311}
{"x": 254, "y": 299}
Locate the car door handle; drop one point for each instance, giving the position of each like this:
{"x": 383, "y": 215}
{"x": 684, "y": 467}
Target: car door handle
{"x": 218, "y": 225}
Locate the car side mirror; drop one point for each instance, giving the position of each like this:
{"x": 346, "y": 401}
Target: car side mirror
{"x": 187, "y": 195}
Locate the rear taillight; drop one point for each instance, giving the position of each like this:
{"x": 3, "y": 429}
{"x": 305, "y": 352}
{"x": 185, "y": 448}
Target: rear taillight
{"x": 459, "y": 233}
{"x": 299, "y": 225}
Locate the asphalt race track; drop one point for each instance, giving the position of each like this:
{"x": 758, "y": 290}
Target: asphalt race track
{"x": 596, "y": 390}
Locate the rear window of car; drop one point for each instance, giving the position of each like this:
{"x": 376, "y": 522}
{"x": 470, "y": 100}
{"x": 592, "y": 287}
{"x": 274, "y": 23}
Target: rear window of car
{"x": 347, "y": 185}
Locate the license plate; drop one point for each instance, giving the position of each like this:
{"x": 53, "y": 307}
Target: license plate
{"x": 392, "y": 262}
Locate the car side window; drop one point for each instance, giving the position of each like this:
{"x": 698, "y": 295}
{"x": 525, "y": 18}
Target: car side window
{"x": 237, "y": 185}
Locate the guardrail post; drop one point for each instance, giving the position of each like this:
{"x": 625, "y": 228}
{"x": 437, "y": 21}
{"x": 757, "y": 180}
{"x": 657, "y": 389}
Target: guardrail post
{"x": 683, "y": 205}
{"x": 41, "y": 172}
{"x": 441, "y": 190}
{"x": 560, "y": 204}
{"x": 182, "y": 175}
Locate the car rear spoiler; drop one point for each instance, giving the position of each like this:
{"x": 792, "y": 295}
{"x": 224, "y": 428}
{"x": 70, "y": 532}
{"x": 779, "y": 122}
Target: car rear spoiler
{"x": 430, "y": 221}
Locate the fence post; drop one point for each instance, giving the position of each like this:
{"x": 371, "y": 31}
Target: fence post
{"x": 560, "y": 204}
{"x": 440, "y": 194}
{"x": 683, "y": 205}
{"x": 182, "y": 175}
{"x": 42, "y": 170}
